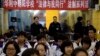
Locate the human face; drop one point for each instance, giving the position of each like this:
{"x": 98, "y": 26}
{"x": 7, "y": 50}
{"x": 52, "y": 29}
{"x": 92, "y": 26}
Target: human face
{"x": 91, "y": 34}
{"x": 11, "y": 51}
{"x": 81, "y": 54}
{"x": 68, "y": 50}
{"x": 85, "y": 46}
{"x": 36, "y": 20}
{"x": 55, "y": 19}
{"x": 42, "y": 40}
{"x": 21, "y": 39}
{"x": 41, "y": 49}
{"x": 98, "y": 52}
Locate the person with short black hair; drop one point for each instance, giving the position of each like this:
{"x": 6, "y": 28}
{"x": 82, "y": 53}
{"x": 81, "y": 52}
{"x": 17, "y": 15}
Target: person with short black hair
{"x": 55, "y": 46}
{"x": 41, "y": 38}
{"x": 43, "y": 49}
{"x": 97, "y": 49}
{"x": 79, "y": 52}
{"x": 36, "y": 27}
{"x": 86, "y": 44}
{"x": 67, "y": 48}
{"x": 30, "y": 52}
{"x": 78, "y": 27}
{"x": 77, "y": 40}
{"x": 54, "y": 27}
{"x": 22, "y": 41}
{"x": 11, "y": 49}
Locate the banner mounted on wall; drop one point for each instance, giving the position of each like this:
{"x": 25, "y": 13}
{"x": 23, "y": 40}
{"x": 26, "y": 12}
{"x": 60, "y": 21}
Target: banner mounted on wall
{"x": 46, "y": 4}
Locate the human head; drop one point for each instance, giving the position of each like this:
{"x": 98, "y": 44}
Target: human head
{"x": 41, "y": 38}
{"x": 79, "y": 52}
{"x": 91, "y": 33}
{"x": 54, "y": 18}
{"x": 30, "y": 52}
{"x": 21, "y": 37}
{"x": 79, "y": 19}
{"x": 36, "y": 19}
{"x": 42, "y": 48}
{"x": 77, "y": 37}
{"x": 11, "y": 28}
{"x": 67, "y": 47}
{"x": 86, "y": 43}
{"x": 59, "y": 38}
{"x": 11, "y": 48}
{"x": 97, "y": 48}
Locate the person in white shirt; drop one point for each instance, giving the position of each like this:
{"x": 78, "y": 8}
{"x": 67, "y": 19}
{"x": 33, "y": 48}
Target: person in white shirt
{"x": 41, "y": 38}
{"x": 77, "y": 40}
{"x": 86, "y": 43}
{"x": 22, "y": 42}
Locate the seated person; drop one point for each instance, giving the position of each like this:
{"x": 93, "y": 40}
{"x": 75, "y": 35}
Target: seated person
{"x": 30, "y": 52}
{"x": 22, "y": 41}
{"x": 11, "y": 49}
{"x": 41, "y": 38}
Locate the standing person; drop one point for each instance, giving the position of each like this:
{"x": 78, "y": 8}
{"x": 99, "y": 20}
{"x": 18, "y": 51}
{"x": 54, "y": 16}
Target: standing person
{"x": 78, "y": 27}
{"x": 54, "y": 27}
{"x": 36, "y": 27}
{"x": 67, "y": 48}
{"x": 11, "y": 49}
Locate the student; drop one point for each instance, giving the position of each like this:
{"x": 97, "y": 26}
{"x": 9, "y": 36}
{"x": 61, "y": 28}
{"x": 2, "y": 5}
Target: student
{"x": 86, "y": 43}
{"x": 41, "y": 38}
{"x": 79, "y": 52}
{"x": 97, "y": 49}
{"x": 92, "y": 36}
{"x": 55, "y": 46}
{"x": 30, "y": 52}
{"x": 42, "y": 48}
{"x": 11, "y": 49}
{"x": 77, "y": 40}
{"x": 22, "y": 41}
{"x": 67, "y": 48}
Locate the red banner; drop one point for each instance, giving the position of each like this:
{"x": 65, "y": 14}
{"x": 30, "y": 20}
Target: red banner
{"x": 46, "y": 4}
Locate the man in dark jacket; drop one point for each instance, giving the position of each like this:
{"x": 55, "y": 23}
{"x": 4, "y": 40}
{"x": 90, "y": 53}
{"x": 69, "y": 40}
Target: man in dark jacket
{"x": 54, "y": 27}
{"x": 36, "y": 27}
{"x": 78, "y": 27}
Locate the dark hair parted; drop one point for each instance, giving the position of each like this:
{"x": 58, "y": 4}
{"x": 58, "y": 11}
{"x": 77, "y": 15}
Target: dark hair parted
{"x": 29, "y": 52}
{"x": 77, "y": 50}
{"x": 14, "y": 44}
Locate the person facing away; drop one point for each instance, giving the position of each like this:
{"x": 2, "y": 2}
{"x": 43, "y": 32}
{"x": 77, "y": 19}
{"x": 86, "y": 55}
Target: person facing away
{"x": 54, "y": 27}
{"x": 36, "y": 27}
{"x": 78, "y": 27}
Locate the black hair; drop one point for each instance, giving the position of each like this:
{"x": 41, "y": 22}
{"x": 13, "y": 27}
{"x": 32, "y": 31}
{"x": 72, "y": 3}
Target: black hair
{"x": 36, "y": 17}
{"x": 46, "y": 47}
{"x": 15, "y": 45}
{"x": 77, "y": 36}
{"x": 65, "y": 44}
{"x": 77, "y": 50}
{"x": 29, "y": 52}
{"x": 91, "y": 28}
{"x": 22, "y": 33}
{"x": 40, "y": 36}
{"x": 60, "y": 36}
{"x": 11, "y": 28}
{"x": 86, "y": 40}
{"x": 97, "y": 46}
{"x": 79, "y": 18}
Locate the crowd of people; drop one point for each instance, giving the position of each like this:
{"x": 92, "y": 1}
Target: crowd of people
{"x": 83, "y": 42}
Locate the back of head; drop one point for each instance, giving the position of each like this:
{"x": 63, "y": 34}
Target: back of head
{"x": 30, "y": 52}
